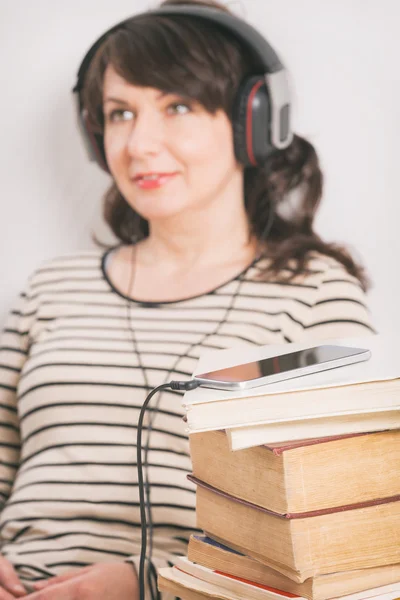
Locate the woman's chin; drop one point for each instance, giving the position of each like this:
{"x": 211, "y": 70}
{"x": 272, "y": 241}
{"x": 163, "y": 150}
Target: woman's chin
{"x": 156, "y": 209}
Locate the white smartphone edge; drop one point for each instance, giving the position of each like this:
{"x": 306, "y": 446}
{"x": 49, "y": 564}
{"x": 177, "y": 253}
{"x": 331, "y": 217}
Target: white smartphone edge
{"x": 232, "y": 386}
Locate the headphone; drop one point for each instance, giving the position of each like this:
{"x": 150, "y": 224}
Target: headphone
{"x": 261, "y": 114}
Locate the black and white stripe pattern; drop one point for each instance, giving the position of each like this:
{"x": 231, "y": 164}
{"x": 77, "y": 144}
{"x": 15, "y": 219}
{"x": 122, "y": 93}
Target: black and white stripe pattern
{"x": 71, "y": 388}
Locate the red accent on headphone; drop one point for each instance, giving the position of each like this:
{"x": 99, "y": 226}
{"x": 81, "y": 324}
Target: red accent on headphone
{"x": 249, "y": 122}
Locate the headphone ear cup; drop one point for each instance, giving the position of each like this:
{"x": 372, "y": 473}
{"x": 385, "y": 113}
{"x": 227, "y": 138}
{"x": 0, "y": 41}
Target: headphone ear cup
{"x": 252, "y": 122}
{"x": 94, "y": 142}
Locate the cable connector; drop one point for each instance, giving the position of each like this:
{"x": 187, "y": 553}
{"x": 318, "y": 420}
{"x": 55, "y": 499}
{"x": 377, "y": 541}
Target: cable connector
{"x": 184, "y": 385}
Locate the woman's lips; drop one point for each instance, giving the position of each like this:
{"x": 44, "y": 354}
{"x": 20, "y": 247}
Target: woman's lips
{"x": 153, "y": 181}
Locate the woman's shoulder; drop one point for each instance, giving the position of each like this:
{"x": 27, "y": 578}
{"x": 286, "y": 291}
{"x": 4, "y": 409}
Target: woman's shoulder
{"x": 324, "y": 269}
{"x": 57, "y": 280}
{"x": 83, "y": 264}
{"x": 319, "y": 269}
{"x": 77, "y": 259}
{"x": 330, "y": 302}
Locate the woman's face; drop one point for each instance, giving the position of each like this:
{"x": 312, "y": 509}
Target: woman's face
{"x": 167, "y": 154}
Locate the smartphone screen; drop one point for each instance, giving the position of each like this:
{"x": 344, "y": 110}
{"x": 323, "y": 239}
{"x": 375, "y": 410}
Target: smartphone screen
{"x": 292, "y": 364}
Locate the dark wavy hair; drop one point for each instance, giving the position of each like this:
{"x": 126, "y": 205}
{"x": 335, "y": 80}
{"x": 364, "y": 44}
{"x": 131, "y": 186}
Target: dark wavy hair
{"x": 194, "y": 58}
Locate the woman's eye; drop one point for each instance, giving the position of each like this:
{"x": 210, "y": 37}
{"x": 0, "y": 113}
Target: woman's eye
{"x": 119, "y": 114}
{"x": 178, "y": 108}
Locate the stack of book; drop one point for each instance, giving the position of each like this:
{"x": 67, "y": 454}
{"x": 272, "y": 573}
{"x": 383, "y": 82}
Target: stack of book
{"x": 316, "y": 518}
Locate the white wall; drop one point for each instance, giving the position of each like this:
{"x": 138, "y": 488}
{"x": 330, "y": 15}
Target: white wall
{"x": 343, "y": 56}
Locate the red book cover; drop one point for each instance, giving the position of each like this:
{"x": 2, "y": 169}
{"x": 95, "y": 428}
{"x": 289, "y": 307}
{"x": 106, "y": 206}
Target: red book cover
{"x": 259, "y": 585}
{"x": 248, "y": 582}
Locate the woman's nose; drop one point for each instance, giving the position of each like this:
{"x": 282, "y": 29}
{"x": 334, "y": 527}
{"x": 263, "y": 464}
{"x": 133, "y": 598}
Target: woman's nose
{"x": 146, "y": 136}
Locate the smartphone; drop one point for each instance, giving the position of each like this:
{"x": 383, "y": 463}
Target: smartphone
{"x": 279, "y": 368}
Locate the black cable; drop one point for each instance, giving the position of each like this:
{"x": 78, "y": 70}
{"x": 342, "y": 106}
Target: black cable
{"x": 151, "y": 578}
{"x": 173, "y": 385}
{"x": 145, "y": 504}
{"x": 268, "y": 226}
{"x": 151, "y": 581}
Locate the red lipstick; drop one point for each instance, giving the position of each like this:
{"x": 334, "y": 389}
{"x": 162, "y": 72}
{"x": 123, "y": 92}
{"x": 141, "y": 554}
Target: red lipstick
{"x": 151, "y": 181}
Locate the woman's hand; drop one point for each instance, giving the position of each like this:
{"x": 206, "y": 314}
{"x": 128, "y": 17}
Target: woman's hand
{"x": 103, "y": 581}
{"x": 10, "y": 585}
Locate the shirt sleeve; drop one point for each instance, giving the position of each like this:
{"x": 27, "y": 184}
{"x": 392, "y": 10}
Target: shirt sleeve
{"x": 13, "y": 354}
{"x": 339, "y": 309}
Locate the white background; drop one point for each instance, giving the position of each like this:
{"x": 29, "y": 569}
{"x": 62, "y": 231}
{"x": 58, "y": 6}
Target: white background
{"x": 343, "y": 56}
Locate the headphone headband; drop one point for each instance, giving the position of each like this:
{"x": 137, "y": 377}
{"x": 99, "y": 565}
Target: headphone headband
{"x": 274, "y": 73}
{"x": 244, "y": 32}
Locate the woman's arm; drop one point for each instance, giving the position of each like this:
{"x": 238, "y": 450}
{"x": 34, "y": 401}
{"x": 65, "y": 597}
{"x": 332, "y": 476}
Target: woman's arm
{"x": 13, "y": 354}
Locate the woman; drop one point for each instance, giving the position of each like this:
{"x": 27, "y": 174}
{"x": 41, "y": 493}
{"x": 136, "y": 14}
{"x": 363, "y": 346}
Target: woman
{"x": 210, "y": 256}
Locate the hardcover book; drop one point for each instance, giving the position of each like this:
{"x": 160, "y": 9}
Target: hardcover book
{"x": 193, "y": 582}
{"x": 306, "y": 544}
{"x": 325, "y": 427}
{"x": 209, "y": 553}
{"x": 302, "y": 476}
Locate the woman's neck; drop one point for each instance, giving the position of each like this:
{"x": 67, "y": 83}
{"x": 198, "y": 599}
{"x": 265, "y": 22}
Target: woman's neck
{"x": 199, "y": 241}
{"x": 184, "y": 266}
{"x": 190, "y": 253}
{"x": 187, "y": 253}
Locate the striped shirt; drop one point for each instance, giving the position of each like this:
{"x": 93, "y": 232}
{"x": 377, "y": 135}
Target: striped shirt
{"x": 71, "y": 388}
